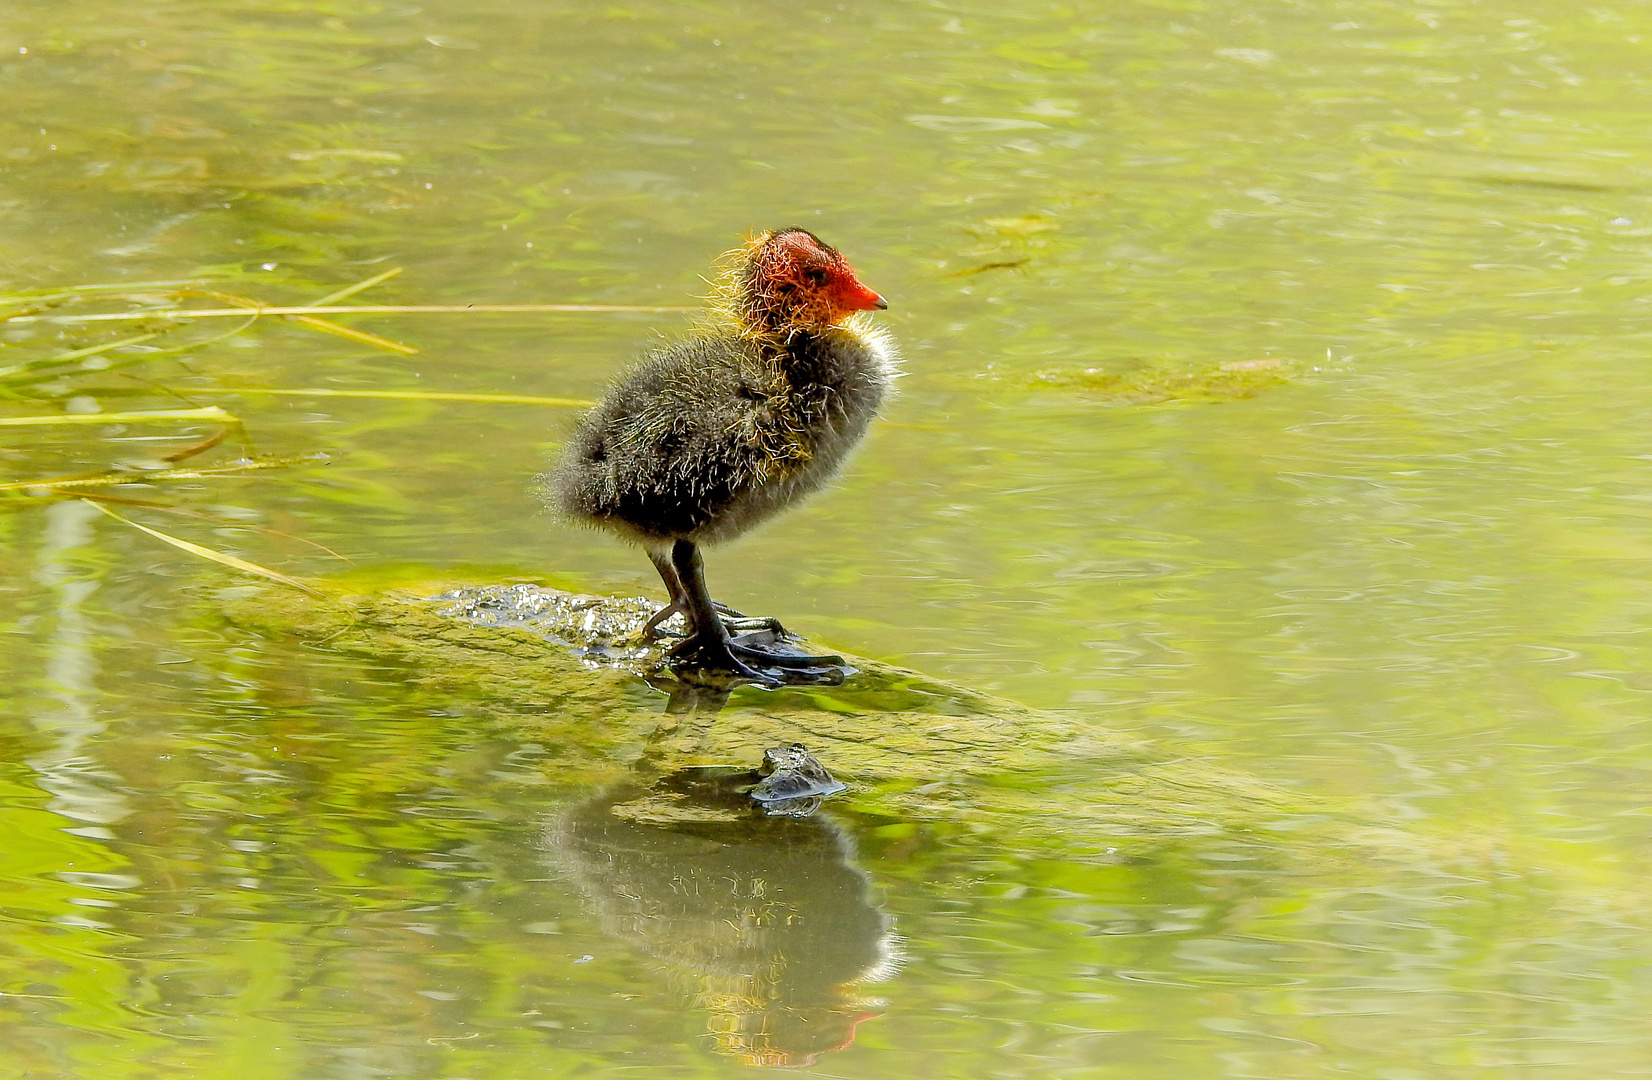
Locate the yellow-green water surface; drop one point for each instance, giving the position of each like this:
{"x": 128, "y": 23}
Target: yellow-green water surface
{"x": 1276, "y": 389}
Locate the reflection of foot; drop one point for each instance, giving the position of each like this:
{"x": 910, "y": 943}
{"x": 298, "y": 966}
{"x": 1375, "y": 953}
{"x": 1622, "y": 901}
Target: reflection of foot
{"x": 690, "y": 699}
{"x": 791, "y": 782}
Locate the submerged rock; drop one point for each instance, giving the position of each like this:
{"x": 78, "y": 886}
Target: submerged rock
{"x": 793, "y": 782}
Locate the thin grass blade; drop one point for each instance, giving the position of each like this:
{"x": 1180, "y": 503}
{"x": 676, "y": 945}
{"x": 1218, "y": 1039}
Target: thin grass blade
{"x": 71, "y": 357}
{"x": 201, "y": 515}
{"x": 358, "y": 287}
{"x": 114, "y": 479}
{"x": 359, "y": 309}
{"x": 145, "y": 416}
{"x": 402, "y": 395}
{"x": 353, "y": 334}
{"x": 36, "y": 296}
{"x": 207, "y": 553}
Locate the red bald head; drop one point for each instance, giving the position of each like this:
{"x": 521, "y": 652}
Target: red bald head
{"x": 792, "y": 280}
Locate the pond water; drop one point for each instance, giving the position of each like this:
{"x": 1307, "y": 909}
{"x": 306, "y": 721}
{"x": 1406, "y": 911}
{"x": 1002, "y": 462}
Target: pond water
{"x": 1275, "y": 390}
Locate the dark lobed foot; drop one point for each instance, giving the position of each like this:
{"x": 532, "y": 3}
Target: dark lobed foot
{"x": 746, "y": 624}
{"x": 759, "y": 658}
{"x": 738, "y": 622}
{"x": 702, "y": 659}
{"x": 759, "y": 649}
{"x": 767, "y": 652}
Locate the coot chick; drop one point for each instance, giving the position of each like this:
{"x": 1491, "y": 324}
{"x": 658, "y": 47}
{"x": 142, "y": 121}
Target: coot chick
{"x": 712, "y": 434}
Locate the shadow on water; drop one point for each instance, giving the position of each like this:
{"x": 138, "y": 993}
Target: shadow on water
{"x": 765, "y": 917}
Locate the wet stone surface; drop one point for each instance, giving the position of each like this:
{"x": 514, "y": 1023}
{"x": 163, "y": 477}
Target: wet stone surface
{"x": 609, "y": 630}
{"x": 606, "y": 628}
{"x": 791, "y": 776}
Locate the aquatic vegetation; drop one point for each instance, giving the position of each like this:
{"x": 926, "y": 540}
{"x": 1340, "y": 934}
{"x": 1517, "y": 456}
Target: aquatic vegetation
{"x": 1232, "y": 381}
{"x": 65, "y": 388}
{"x": 1006, "y": 243}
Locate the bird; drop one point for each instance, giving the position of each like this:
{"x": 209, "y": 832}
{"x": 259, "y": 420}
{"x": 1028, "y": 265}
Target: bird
{"x": 716, "y": 432}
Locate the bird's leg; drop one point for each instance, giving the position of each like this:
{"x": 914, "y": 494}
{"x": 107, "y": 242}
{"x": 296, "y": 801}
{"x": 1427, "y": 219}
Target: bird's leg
{"x": 738, "y": 622}
{"x": 707, "y": 644}
{"x": 673, "y": 587}
{"x": 710, "y": 646}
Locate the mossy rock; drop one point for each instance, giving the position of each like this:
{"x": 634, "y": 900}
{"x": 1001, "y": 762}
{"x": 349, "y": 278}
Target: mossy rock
{"x": 568, "y": 670}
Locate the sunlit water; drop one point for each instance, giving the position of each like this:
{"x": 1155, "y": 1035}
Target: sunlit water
{"x": 1414, "y": 573}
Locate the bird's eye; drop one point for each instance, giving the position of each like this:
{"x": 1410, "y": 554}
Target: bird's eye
{"x": 815, "y": 276}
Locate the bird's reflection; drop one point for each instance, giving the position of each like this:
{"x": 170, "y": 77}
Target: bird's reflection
{"x": 766, "y": 914}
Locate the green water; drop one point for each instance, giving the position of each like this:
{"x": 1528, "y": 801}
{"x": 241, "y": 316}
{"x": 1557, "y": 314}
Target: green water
{"x": 1404, "y": 569}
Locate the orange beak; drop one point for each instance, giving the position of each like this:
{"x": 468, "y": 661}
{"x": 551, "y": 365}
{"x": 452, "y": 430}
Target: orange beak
{"x": 851, "y": 295}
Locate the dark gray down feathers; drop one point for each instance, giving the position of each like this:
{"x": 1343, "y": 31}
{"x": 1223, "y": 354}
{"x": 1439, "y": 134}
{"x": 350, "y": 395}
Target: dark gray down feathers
{"x": 708, "y": 436}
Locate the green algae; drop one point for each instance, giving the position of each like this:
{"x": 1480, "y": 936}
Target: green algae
{"x": 1232, "y": 381}
{"x": 913, "y": 748}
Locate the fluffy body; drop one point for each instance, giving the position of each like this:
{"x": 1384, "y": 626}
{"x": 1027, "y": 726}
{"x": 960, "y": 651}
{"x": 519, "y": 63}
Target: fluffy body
{"x": 709, "y": 436}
